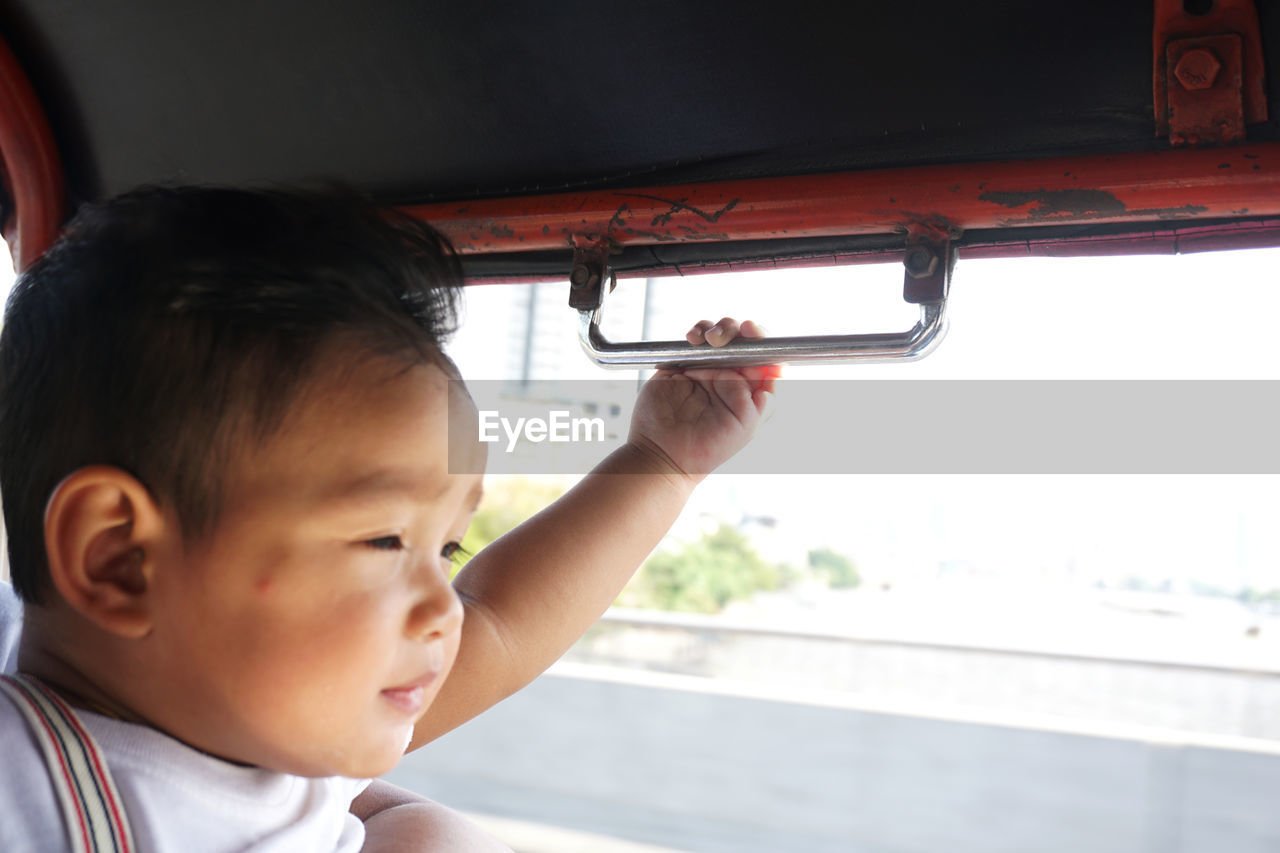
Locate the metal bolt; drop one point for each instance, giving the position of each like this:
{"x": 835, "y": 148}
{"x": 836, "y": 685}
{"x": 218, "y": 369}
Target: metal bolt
{"x": 1197, "y": 69}
{"x": 580, "y": 277}
{"x": 921, "y": 262}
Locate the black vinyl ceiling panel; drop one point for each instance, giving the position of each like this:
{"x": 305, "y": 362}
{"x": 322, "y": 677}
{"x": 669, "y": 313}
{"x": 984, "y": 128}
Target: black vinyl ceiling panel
{"x": 421, "y": 100}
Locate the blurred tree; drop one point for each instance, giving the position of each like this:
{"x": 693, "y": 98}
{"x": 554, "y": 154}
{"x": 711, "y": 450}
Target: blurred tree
{"x": 506, "y": 504}
{"x": 1257, "y": 596}
{"x": 703, "y": 576}
{"x": 837, "y": 569}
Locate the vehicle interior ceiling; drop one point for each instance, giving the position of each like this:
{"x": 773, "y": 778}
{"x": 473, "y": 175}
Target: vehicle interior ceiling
{"x": 678, "y": 137}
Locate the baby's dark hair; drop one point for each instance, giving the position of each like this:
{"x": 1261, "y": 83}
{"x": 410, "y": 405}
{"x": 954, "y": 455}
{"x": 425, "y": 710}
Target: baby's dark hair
{"x": 171, "y": 328}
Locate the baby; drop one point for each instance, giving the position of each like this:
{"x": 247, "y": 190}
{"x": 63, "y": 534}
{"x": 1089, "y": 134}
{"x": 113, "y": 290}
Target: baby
{"x": 225, "y": 423}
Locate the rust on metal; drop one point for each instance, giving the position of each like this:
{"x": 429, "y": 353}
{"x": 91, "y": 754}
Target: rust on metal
{"x": 927, "y": 263}
{"x": 1161, "y": 186}
{"x": 678, "y": 205}
{"x": 588, "y": 273}
{"x": 29, "y": 166}
{"x": 1049, "y": 203}
{"x": 1177, "y": 32}
{"x": 1206, "y": 99}
{"x": 1197, "y": 69}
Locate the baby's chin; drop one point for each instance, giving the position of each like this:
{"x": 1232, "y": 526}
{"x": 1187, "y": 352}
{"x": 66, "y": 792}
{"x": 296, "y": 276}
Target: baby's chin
{"x": 322, "y": 762}
{"x": 371, "y": 766}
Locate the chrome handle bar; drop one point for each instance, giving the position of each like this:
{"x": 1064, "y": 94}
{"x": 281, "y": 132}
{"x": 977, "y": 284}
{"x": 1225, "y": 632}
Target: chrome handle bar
{"x": 913, "y": 344}
{"x": 928, "y": 260}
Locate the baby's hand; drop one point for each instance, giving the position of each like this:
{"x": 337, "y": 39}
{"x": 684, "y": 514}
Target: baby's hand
{"x": 692, "y": 420}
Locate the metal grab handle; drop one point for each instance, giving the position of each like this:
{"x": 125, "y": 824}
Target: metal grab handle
{"x": 910, "y": 345}
{"x": 928, "y": 260}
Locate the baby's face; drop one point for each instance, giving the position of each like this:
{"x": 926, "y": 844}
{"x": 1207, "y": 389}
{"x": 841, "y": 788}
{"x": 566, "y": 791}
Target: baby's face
{"x": 317, "y": 623}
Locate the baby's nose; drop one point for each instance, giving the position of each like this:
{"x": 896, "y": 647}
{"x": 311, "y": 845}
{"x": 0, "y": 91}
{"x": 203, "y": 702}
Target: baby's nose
{"x": 437, "y": 614}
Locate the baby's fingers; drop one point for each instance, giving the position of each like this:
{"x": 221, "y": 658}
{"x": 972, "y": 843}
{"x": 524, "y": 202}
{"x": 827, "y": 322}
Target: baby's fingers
{"x": 698, "y": 334}
{"x": 762, "y": 376}
{"x": 723, "y": 332}
{"x": 716, "y": 334}
{"x": 719, "y": 334}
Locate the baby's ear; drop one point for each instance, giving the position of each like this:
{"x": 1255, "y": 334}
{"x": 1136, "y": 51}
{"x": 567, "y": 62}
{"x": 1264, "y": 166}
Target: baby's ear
{"x": 100, "y": 529}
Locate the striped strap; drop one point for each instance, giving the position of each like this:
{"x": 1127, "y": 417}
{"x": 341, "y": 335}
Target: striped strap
{"x": 90, "y": 803}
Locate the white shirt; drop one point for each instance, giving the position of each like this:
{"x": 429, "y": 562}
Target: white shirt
{"x": 176, "y": 798}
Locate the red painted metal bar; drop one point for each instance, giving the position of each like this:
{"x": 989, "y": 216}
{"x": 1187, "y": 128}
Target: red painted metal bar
{"x": 1147, "y": 187}
{"x": 32, "y": 170}
{"x": 1161, "y": 240}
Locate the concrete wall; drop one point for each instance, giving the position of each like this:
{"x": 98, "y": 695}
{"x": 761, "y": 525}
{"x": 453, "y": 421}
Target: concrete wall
{"x": 704, "y": 771}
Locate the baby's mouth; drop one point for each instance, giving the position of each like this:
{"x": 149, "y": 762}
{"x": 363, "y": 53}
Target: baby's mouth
{"x": 411, "y": 698}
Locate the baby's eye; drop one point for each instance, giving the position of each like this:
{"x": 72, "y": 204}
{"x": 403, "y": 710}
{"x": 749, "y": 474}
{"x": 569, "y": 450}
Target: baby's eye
{"x": 386, "y": 543}
{"x": 453, "y": 551}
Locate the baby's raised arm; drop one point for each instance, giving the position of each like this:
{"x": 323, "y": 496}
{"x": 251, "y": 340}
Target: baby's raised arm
{"x": 532, "y": 593}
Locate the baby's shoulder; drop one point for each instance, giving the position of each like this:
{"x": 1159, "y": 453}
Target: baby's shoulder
{"x": 29, "y": 816}
{"x": 171, "y": 794}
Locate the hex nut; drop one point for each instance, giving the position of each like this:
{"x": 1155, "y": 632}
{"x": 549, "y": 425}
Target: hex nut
{"x": 921, "y": 262}
{"x": 1197, "y": 69}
